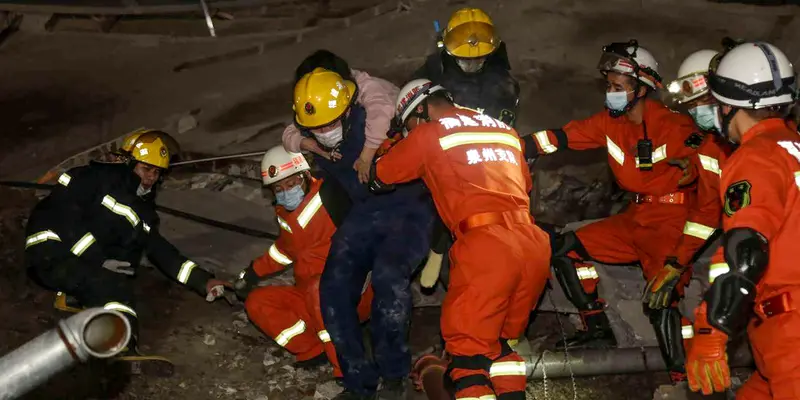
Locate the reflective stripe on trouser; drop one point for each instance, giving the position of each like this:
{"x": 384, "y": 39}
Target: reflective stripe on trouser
{"x": 277, "y": 310}
{"x": 481, "y": 303}
{"x": 280, "y": 312}
{"x": 587, "y": 273}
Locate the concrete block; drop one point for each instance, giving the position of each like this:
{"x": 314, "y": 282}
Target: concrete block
{"x": 38, "y": 23}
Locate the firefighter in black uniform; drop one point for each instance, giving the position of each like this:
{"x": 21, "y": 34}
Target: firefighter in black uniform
{"x": 473, "y": 66}
{"x": 86, "y": 239}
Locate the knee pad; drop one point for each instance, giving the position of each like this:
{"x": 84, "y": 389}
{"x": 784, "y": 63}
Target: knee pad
{"x": 667, "y": 325}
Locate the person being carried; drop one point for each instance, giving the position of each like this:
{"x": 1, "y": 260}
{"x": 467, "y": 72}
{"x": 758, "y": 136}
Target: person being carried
{"x": 377, "y": 95}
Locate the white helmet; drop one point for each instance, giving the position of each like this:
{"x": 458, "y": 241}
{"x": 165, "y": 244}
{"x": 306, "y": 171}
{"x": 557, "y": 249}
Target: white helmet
{"x": 692, "y": 81}
{"x": 411, "y": 95}
{"x": 279, "y": 164}
{"x": 631, "y": 60}
{"x": 754, "y": 75}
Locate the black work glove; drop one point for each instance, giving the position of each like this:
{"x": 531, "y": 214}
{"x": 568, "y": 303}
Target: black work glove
{"x": 246, "y": 282}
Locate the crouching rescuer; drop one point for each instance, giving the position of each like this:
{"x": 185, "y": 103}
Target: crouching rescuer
{"x": 308, "y": 212}
{"x": 86, "y": 239}
{"x": 474, "y": 167}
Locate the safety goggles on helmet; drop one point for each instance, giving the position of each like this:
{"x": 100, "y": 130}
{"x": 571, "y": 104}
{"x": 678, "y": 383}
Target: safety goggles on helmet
{"x": 689, "y": 87}
{"x": 620, "y": 57}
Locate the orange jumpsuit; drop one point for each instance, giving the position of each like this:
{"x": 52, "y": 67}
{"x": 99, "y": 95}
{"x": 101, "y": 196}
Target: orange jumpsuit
{"x": 761, "y": 191}
{"x": 653, "y": 226}
{"x": 475, "y": 170}
{"x": 291, "y": 315}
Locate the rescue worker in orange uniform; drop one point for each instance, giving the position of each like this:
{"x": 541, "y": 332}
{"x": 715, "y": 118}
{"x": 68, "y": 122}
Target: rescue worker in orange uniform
{"x": 643, "y": 138}
{"x": 308, "y": 212}
{"x": 755, "y": 280}
{"x": 473, "y": 165}
{"x": 691, "y": 89}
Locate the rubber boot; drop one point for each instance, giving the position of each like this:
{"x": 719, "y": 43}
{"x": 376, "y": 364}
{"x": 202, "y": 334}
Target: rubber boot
{"x": 598, "y": 333}
{"x": 667, "y": 326}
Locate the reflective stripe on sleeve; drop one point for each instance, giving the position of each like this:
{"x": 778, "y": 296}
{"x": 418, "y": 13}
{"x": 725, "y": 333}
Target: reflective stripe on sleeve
{"x": 687, "y": 332}
{"x": 587, "y": 273}
{"x": 119, "y": 307}
{"x": 460, "y": 139}
{"x": 615, "y": 152}
{"x": 324, "y": 336}
{"x": 716, "y": 270}
{"x": 64, "y": 179}
{"x": 279, "y": 257}
{"x": 507, "y": 368}
{"x": 83, "y": 244}
{"x": 699, "y": 231}
{"x": 121, "y": 209}
{"x": 186, "y": 271}
{"x": 146, "y": 227}
{"x": 40, "y": 237}
{"x": 309, "y": 211}
{"x": 797, "y": 179}
{"x": 710, "y": 164}
{"x": 544, "y": 142}
{"x": 288, "y": 334}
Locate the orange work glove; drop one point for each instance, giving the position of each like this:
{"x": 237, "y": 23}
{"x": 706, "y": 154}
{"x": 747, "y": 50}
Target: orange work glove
{"x": 707, "y": 362}
{"x": 659, "y": 290}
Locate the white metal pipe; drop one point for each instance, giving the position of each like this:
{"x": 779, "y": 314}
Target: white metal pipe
{"x": 94, "y": 332}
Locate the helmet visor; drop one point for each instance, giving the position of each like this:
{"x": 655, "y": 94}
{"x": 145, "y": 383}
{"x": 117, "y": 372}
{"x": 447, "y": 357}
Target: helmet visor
{"x": 471, "y": 40}
{"x": 614, "y": 62}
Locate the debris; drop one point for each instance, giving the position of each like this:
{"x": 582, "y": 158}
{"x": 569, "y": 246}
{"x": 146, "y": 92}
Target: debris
{"x": 187, "y": 123}
{"x": 227, "y": 389}
{"x": 239, "y": 324}
{"x": 209, "y": 340}
{"x": 327, "y": 390}
{"x": 183, "y": 385}
{"x": 270, "y": 359}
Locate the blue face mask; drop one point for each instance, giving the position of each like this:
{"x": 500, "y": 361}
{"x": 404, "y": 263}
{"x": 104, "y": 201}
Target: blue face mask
{"x": 705, "y": 116}
{"x": 616, "y": 101}
{"x": 291, "y": 199}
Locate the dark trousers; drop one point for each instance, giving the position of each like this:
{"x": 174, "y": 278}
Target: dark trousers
{"x": 391, "y": 243}
{"x": 52, "y": 266}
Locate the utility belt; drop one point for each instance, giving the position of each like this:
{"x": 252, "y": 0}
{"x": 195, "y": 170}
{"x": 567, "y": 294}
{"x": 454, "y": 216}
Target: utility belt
{"x": 776, "y": 305}
{"x": 505, "y": 218}
{"x": 677, "y": 198}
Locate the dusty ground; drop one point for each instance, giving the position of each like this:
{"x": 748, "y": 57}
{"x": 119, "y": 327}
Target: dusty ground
{"x": 218, "y": 353}
{"x": 64, "y": 92}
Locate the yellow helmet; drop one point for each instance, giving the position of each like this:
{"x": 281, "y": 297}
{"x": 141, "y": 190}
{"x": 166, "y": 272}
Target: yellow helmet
{"x": 150, "y": 148}
{"x": 127, "y": 144}
{"x": 321, "y": 97}
{"x": 470, "y": 34}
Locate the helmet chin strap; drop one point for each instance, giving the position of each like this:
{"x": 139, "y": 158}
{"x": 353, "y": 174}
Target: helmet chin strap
{"x": 726, "y": 123}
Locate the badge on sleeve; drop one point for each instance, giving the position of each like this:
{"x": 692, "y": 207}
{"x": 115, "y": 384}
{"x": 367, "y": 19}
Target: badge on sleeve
{"x": 737, "y": 197}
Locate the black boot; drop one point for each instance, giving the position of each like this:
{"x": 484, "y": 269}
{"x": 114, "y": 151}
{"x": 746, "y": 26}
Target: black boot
{"x": 598, "y": 333}
{"x": 667, "y": 325}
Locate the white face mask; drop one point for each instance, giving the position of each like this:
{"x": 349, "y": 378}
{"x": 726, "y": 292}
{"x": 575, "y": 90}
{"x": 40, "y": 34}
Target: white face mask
{"x": 141, "y": 191}
{"x": 331, "y": 138}
{"x": 470, "y": 65}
